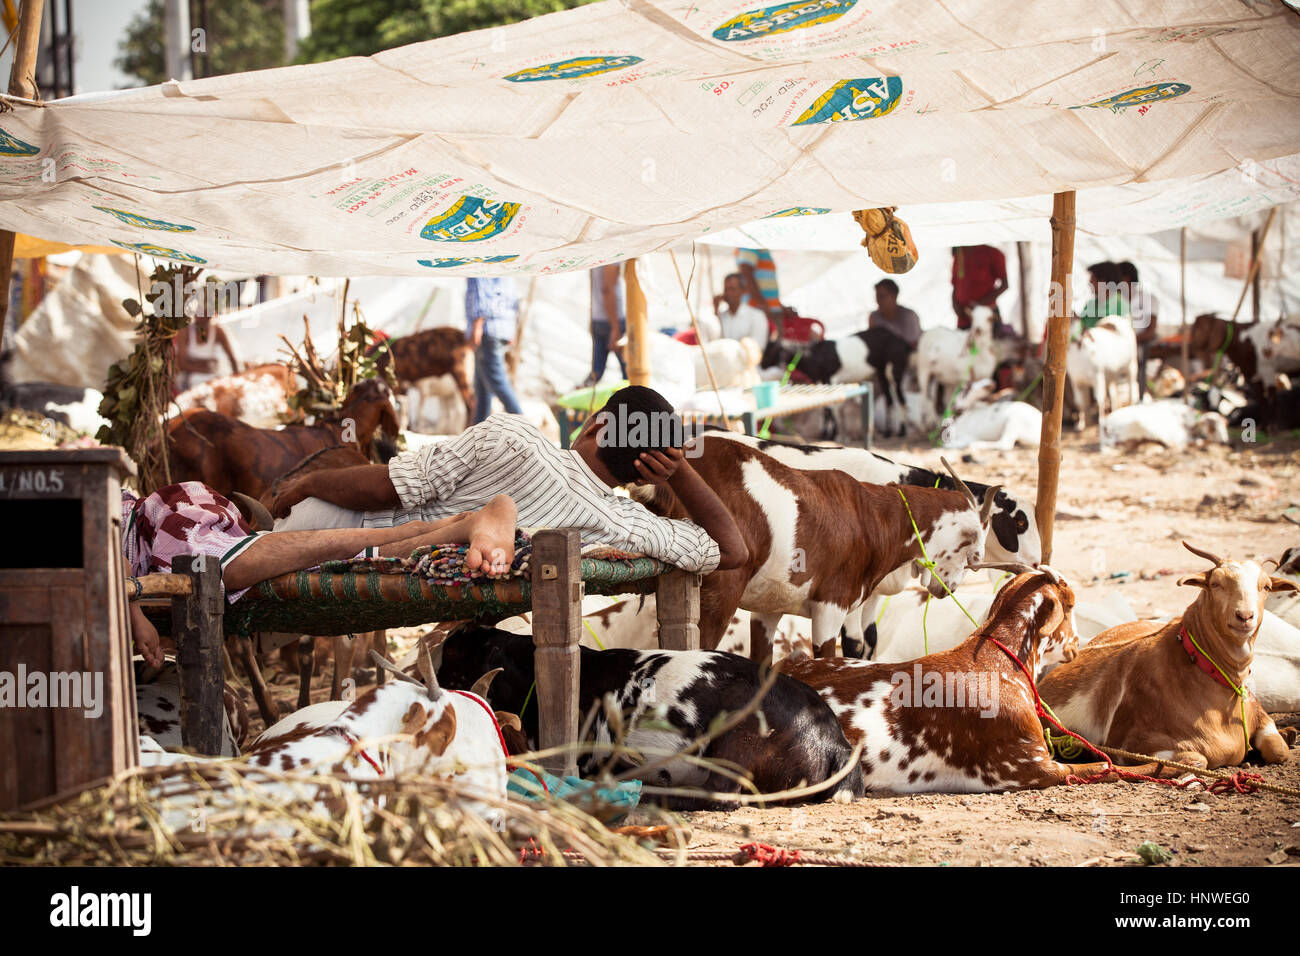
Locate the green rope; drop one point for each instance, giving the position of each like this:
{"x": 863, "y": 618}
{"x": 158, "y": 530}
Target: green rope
{"x": 765, "y": 431}
{"x": 928, "y": 564}
{"x": 1214, "y": 372}
{"x": 1241, "y": 694}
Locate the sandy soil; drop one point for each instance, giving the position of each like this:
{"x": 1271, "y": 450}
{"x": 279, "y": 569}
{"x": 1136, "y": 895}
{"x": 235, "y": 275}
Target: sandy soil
{"x": 1122, "y": 516}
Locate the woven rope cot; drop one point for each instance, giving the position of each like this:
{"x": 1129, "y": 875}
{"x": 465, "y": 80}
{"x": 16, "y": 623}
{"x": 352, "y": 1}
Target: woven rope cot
{"x": 327, "y": 602}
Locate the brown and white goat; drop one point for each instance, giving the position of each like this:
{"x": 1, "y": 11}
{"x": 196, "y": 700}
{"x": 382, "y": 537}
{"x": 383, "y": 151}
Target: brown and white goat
{"x": 820, "y": 541}
{"x": 964, "y": 720}
{"x": 1153, "y": 688}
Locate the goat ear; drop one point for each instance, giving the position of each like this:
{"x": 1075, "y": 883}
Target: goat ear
{"x": 1282, "y": 584}
{"x": 414, "y": 719}
{"x": 1195, "y": 580}
{"x": 1055, "y": 616}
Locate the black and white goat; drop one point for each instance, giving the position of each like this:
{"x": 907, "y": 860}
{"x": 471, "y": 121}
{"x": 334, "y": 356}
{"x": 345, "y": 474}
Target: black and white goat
{"x": 666, "y": 700}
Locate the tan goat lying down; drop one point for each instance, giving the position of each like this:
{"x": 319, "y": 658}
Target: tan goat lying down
{"x": 1154, "y": 688}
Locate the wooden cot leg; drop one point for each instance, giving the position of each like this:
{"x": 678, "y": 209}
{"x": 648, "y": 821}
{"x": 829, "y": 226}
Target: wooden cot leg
{"x": 677, "y": 604}
{"x": 557, "y": 626}
{"x": 306, "y": 668}
{"x": 379, "y": 644}
{"x": 196, "y": 627}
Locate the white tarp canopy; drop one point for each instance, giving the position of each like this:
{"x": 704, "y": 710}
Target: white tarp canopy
{"x": 615, "y": 129}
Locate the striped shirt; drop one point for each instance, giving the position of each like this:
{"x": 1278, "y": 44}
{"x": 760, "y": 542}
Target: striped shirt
{"x": 551, "y": 488}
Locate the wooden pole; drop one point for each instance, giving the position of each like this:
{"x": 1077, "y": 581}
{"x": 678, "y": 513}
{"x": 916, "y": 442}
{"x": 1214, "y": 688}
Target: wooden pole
{"x": 638, "y": 328}
{"x": 557, "y": 627}
{"x": 1254, "y": 283}
{"x": 196, "y": 628}
{"x": 1182, "y": 299}
{"x": 1058, "y": 340}
{"x": 22, "y": 82}
{"x": 1254, "y": 262}
{"x": 1022, "y": 258}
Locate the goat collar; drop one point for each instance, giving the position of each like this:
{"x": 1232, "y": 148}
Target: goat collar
{"x": 356, "y": 745}
{"x": 1201, "y": 660}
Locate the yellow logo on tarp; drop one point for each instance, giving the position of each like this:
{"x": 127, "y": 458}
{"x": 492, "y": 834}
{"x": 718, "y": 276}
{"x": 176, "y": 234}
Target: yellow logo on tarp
{"x": 1139, "y": 97}
{"x": 782, "y": 18}
{"x": 851, "y": 100}
{"x": 799, "y": 211}
{"x": 470, "y": 219}
{"x": 149, "y": 249}
{"x": 13, "y": 146}
{"x": 144, "y": 222}
{"x": 449, "y": 262}
{"x": 573, "y": 69}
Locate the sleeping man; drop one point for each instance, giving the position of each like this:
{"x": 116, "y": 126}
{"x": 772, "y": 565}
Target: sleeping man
{"x": 473, "y": 489}
{"x": 634, "y": 438}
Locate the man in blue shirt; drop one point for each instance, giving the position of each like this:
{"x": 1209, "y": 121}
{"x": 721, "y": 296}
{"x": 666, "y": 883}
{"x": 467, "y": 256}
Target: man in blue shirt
{"x": 491, "y": 311}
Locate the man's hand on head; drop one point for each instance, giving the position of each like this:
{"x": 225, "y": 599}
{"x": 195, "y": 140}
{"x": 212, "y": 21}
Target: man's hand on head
{"x": 658, "y": 467}
{"x": 289, "y": 495}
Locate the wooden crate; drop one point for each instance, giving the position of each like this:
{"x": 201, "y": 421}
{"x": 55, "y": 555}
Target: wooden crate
{"x": 63, "y": 610}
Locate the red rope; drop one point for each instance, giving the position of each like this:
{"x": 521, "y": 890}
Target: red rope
{"x": 1240, "y": 782}
{"x": 501, "y": 738}
{"x": 766, "y": 855}
{"x": 353, "y": 742}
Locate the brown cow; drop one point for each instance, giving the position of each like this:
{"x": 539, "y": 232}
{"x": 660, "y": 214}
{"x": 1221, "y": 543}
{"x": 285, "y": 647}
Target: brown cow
{"x": 440, "y": 351}
{"x": 229, "y": 456}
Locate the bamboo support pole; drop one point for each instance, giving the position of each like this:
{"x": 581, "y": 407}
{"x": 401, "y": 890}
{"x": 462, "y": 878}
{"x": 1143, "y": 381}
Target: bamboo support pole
{"x": 1182, "y": 301}
{"x": 638, "y": 328}
{"x": 1058, "y": 340}
{"x": 1254, "y": 263}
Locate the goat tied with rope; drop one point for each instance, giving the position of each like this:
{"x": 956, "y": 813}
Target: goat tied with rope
{"x": 1177, "y": 690}
{"x": 964, "y": 720}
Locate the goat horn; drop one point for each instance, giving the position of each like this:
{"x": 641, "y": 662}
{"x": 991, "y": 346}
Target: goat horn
{"x": 1015, "y": 567}
{"x": 1290, "y": 519}
{"x": 1050, "y": 572}
{"x": 424, "y": 663}
{"x": 256, "y": 510}
{"x": 1203, "y": 554}
{"x": 392, "y": 668}
{"x": 986, "y": 509}
{"x": 961, "y": 485}
{"x": 483, "y": 683}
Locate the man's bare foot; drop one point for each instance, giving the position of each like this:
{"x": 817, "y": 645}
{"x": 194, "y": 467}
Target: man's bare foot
{"x": 492, "y": 537}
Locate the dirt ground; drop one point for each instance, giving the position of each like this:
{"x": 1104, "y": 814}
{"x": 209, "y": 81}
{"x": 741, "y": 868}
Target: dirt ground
{"x": 1122, "y": 514}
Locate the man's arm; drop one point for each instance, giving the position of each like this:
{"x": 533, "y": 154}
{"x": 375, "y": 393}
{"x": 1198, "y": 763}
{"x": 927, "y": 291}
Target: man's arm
{"x": 360, "y": 488}
{"x": 704, "y": 507}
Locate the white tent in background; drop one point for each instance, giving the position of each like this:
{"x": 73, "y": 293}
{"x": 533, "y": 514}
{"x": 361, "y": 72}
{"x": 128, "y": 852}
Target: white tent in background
{"x": 612, "y": 130}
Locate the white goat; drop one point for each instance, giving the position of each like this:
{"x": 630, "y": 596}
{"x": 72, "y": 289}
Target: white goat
{"x": 1097, "y": 360}
{"x": 1169, "y": 422}
{"x": 949, "y": 358}
{"x": 999, "y": 425}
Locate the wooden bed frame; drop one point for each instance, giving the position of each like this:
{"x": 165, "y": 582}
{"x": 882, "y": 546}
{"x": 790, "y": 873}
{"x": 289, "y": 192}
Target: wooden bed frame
{"x": 553, "y": 595}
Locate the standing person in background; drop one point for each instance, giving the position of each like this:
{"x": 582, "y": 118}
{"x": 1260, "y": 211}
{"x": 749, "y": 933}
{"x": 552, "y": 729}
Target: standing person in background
{"x": 758, "y": 272}
{"x": 491, "y": 311}
{"x": 608, "y": 320}
{"x": 899, "y": 319}
{"x": 979, "y": 276}
{"x": 736, "y": 317}
{"x": 1144, "y": 307}
{"x": 1107, "y": 295}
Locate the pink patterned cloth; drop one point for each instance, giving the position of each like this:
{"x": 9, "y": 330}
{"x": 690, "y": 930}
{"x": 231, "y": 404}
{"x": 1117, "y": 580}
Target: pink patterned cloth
{"x": 187, "y": 518}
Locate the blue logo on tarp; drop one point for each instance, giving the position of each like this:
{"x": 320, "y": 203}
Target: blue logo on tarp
{"x": 573, "y": 69}
{"x": 149, "y": 249}
{"x": 13, "y": 146}
{"x": 851, "y": 100}
{"x": 449, "y": 262}
{"x": 470, "y": 219}
{"x": 144, "y": 222}
{"x": 799, "y": 211}
{"x": 782, "y": 18}
{"x": 1139, "y": 97}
